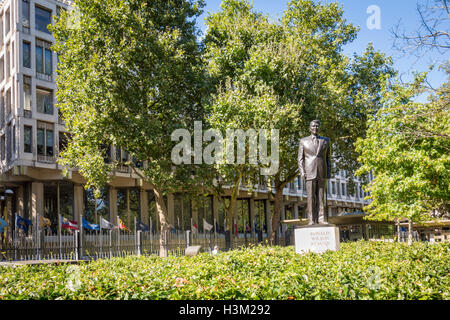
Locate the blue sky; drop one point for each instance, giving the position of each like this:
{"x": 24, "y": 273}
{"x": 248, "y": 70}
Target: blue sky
{"x": 355, "y": 11}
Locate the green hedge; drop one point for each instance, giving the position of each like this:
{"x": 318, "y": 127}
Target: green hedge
{"x": 360, "y": 270}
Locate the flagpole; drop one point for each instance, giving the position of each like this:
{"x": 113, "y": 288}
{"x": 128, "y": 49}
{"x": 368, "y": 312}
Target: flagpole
{"x": 81, "y": 237}
{"x": 135, "y": 235}
{"x": 59, "y": 235}
{"x": 118, "y": 237}
{"x": 100, "y": 227}
{"x": 15, "y": 236}
{"x": 151, "y": 235}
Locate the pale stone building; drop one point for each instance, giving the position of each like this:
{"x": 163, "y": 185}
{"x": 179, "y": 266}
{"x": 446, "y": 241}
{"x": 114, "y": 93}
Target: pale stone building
{"x": 32, "y": 133}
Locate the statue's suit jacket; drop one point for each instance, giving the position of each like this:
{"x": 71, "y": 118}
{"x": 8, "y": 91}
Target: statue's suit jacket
{"x": 314, "y": 162}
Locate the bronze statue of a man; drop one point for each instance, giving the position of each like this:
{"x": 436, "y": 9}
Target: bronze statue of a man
{"x": 315, "y": 167}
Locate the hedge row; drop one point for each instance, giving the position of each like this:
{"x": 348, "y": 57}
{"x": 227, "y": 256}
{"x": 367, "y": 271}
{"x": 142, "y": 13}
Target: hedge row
{"x": 360, "y": 270}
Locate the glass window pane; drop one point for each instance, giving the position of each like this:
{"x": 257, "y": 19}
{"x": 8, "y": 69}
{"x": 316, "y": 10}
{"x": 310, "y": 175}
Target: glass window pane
{"x": 40, "y": 141}
{"x": 48, "y": 62}
{"x": 27, "y": 139}
{"x": 26, "y": 93}
{"x": 49, "y": 142}
{"x": 26, "y": 55}
{"x": 122, "y": 204}
{"x": 26, "y": 13}
{"x": 66, "y": 197}
{"x": 42, "y": 19}
{"x": 44, "y": 101}
{"x": 134, "y": 207}
{"x": 39, "y": 60}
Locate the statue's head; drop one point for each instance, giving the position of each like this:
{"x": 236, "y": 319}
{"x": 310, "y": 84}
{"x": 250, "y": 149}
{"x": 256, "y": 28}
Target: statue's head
{"x": 314, "y": 127}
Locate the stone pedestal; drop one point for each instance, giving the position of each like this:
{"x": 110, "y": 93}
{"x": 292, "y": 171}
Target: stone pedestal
{"x": 317, "y": 238}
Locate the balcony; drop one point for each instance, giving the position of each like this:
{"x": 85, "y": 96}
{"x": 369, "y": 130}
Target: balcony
{"x": 46, "y": 159}
{"x": 45, "y": 77}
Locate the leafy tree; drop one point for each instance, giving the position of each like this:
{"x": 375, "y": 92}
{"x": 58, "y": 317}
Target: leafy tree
{"x": 407, "y": 149}
{"x": 284, "y": 74}
{"x": 129, "y": 74}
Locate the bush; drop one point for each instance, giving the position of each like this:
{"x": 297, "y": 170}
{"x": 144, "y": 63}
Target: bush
{"x": 360, "y": 270}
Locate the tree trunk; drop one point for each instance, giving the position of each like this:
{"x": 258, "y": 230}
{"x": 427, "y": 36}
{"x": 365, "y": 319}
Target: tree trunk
{"x": 278, "y": 205}
{"x": 162, "y": 215}
{"x": 410, "y": 232}
{"x": 230, "y": 214}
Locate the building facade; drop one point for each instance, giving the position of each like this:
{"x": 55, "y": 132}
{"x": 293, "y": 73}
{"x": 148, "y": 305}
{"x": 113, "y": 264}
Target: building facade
{"x": 32, "y": 135}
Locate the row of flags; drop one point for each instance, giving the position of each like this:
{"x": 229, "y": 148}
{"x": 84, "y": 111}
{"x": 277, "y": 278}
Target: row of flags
{"x": 24, "y": 224}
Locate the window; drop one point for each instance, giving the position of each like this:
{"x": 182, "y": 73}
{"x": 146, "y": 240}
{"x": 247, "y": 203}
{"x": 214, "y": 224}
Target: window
{"x": 7, "y": 60}
{"x": 42, "y": 19}
{"x": 8, "y": 102}
{"x": 13, "y": 134}
{"x": 27, "y": 139}
{"x": 2, "y": 69}
{"x": 121, "y": 155}
{"x": 44, "y": 101}
{"x": 2, "y": 109}
{"x": 63, "y": 141}
{"x": 7, "y": 22}
{"x": 45, "y": 140}
{"x": 26, "y": 93}
{"x": 26, "y": 54}
{"x": 333, "y": 187}
{"x": 2, "y": 147}
{"x": 8, "y": 144}
{"x": 344, "y": 191}
{"x": 43, "y": 58}
{"x": 26, "y": 13}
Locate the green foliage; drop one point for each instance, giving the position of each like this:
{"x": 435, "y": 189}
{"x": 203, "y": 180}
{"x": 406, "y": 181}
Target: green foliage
{"x": 129, "y": 74}
{"x": 407, "y": 149}
{"x": 360, "y": 270}
{"x": 282, "y": 74}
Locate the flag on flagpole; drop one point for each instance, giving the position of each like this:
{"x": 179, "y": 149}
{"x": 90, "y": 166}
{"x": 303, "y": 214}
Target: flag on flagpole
{"x": 105, "y": 224}
{"x": 44, "y": 222}
{"x": 140, "y": 226}
{"x": 3, "y": 225}
{"x": 122, "y": 226}
{"x": 22, "y": 223}
{"x": 206, "y": 225}
{"x": 68, "y": 224}
{"x": 90, "y": 226}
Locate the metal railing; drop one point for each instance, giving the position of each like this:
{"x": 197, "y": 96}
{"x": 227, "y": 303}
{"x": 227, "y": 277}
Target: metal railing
{"x": 93, "y": 245}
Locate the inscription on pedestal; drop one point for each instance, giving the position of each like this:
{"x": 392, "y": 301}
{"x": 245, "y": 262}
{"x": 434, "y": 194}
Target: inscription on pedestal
{"x": 316, "y": 239}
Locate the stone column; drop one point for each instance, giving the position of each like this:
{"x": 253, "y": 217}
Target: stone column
{"x": 143, "y": 206}
{"x": 37, "y": 199}
{"x": 113, "y": 205}
{"x": 20, "y": 201}
{"x": 295, "y": 210}
{"x": 78, "y": 202}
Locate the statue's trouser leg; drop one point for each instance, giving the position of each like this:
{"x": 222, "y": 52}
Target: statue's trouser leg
{"x": 311, "y": 190}
{"x": 321, "y": 200}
